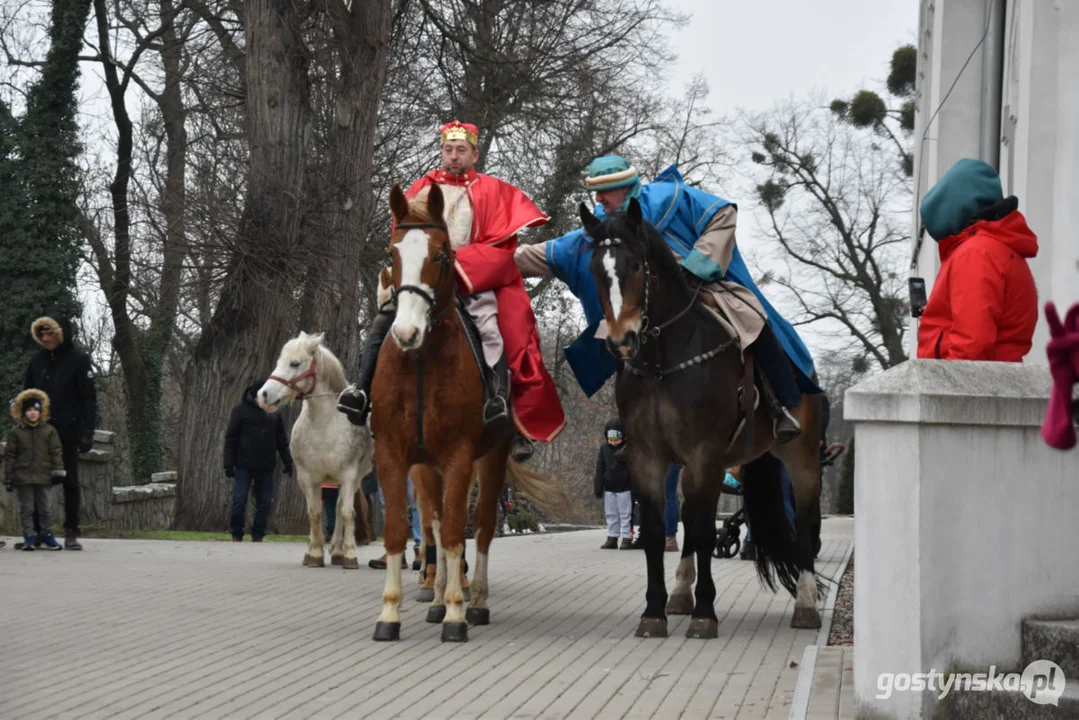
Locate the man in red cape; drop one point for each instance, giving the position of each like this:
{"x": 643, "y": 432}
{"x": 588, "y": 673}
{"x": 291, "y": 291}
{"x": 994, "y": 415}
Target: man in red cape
{"x": 483, "y": 215}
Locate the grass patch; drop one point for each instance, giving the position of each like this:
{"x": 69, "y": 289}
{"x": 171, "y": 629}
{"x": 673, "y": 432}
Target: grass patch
{"x": 203, "y": 536}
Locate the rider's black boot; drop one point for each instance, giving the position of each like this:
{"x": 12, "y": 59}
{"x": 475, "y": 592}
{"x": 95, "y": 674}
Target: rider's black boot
{"x": 355, "y": 400}
{"x": 497, "y": 407}
{"x": 777, "y": 371}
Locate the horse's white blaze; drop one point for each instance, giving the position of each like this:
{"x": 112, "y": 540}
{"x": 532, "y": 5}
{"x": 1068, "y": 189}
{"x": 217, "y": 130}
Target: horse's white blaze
{"x": 615, "y": 293}
{"x": 412, "y": 309}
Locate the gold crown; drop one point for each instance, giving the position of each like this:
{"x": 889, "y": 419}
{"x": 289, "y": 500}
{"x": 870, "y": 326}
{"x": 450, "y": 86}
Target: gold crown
{"x": 457, "y": 130}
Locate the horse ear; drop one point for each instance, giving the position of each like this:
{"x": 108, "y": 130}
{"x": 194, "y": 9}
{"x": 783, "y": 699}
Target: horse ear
{"x": 435, "y": 202}
{"x": 589, "y": 220}
{"x": 398, "y": 203}
{"x": 634, "y": 211}
{"x": 314, "y": 340}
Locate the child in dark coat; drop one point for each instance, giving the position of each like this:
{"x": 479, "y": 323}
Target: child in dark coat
{"x": 33, "y": 456}
{"x": 612, "y": 484}
{"x": 252, "y": 440}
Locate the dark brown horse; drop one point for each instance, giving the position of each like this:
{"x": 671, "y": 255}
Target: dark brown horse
{"x": 677, "y": 391}
{"x": 427, "y": 419}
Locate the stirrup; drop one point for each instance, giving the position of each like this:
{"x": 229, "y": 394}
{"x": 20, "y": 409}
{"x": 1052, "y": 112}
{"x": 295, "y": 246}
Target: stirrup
{"x": 522, "y": 449}
{"x": 495, "y": 409}
{"x": 787, "y": 434}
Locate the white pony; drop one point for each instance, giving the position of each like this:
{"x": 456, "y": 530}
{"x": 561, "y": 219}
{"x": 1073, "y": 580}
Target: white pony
{"x": 326, "y": 447}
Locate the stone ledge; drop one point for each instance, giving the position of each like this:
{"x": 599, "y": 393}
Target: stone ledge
{"x": 953, "y": 392}
{"x": 135, "y": 493}
{"x": 169, "y": 476}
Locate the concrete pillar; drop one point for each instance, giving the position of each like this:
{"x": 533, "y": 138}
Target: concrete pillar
{"x": 965, "y": 522}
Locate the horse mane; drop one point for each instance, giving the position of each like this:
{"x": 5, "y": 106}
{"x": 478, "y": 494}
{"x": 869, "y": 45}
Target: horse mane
{"x": 651, "y": 244}
{"x": 331, "y": 370}
{"x": 417, "y": 207}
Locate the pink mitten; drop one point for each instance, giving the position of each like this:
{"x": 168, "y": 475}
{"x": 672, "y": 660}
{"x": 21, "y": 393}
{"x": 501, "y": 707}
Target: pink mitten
{"x": 1058, "y": 429}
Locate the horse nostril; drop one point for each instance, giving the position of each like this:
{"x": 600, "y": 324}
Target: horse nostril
{"x": 414, "y": 336}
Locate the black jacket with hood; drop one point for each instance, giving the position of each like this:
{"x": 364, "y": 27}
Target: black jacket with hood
{"x": 254, "y": 437}
{"x": 66, "y": 376}
{"x": 612, "y": 474}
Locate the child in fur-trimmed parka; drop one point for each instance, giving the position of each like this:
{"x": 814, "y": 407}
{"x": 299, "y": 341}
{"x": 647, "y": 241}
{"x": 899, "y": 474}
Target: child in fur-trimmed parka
{"x": 33, "y": 456}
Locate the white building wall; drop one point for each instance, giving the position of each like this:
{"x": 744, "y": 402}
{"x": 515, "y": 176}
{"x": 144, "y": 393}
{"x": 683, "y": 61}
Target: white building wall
{"x": 1039, "y": 128}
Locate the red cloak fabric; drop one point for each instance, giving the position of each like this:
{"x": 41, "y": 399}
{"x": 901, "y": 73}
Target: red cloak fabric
{"x": 499, "y": 212}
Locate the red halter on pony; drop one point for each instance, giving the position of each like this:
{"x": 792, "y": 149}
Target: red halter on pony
{"x": 293, "y": 384}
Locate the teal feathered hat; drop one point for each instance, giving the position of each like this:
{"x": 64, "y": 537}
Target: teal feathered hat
{"x": 611, "y": 172}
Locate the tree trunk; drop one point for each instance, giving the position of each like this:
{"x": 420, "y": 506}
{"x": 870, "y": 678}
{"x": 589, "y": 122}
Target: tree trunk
{"x": 339, "y": 256}
{"x": 255, "y": 313}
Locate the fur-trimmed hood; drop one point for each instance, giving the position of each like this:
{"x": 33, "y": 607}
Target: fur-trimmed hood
{"x": 20, "y": 402}
{"x": 60, "y": 326}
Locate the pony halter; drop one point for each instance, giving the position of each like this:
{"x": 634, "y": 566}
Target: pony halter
{"x": 294, "y": 383}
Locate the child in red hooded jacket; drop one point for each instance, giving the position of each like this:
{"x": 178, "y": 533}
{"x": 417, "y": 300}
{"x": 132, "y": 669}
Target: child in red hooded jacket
{"x": 984, "y": 304}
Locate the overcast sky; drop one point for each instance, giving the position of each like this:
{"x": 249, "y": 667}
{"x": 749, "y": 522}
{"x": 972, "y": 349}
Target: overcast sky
{"x": 754, "y": 53}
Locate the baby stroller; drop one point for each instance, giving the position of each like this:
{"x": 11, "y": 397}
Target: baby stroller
{"x": 729, "y": 537}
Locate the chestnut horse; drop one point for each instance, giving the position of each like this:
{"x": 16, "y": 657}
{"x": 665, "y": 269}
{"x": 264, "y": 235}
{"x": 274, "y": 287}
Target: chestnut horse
{"x": 427, "y": 400}
{"x": 677, "y": 392}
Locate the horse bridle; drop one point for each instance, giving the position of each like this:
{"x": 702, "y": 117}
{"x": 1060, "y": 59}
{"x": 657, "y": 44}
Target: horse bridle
{"x": 431, "y": 298}
{"x": 645, "y": 332}
{"x": 654, "y": 332}
{"x": 293, "y": 384}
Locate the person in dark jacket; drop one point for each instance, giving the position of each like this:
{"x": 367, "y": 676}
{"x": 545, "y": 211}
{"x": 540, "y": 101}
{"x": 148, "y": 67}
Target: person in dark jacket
{"x": 33, "y": 456}
{"x": 612, "y": 484}
{"x": 65, "y": 374}
{"x": 252, "y": 440}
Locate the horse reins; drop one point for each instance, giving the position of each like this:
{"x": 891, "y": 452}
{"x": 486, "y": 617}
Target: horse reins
{"x": 654, "y": 332}
{"x": 294, "y": 382}
{"x": 432, "y": 302}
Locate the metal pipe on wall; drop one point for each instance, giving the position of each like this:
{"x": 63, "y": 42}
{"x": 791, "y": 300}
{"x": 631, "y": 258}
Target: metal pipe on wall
{"x": 992, "y": 74}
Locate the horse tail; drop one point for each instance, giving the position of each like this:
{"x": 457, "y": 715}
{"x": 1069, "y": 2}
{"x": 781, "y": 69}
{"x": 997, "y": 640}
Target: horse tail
{"x": 537, "y": 487}
{"x": 775, "y": 540}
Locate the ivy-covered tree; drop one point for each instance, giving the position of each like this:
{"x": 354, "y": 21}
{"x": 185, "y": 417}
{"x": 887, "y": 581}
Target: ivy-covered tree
{"x": 39, "y": 233}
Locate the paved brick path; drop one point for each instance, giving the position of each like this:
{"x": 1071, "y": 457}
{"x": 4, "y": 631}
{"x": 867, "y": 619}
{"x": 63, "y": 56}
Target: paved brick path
{"x": 156, "y": 629}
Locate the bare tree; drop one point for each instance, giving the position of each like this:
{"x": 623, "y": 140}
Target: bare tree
{"x": 836, "y": 202}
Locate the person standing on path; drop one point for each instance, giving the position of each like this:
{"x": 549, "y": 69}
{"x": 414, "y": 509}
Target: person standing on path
{"x": 65, "y": 375}
{"x": 33, "y": 456}
{"x": 252, "y": 439}
{"x": 612, "y": 484}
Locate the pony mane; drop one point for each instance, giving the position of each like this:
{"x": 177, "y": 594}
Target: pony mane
{"x": 331, "y": 370}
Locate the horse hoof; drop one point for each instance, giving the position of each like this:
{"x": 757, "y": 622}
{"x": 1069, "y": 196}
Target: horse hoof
{"x": 652, "y": 628}
{"x": 385, "y": 631}
{"x": 337, "y": 559}
{"x": 703, "y": 629}
{"x": 425, "y": 595}
{"x": 350, "y": 563}
{"x": 455, "y": 632}
{"x": 313, "y": 561}
{"x": 436, "y": 613}
{"x": 680, "y": 605}
{"x": 478, "y": 616}
{"x": 806, "y": 618}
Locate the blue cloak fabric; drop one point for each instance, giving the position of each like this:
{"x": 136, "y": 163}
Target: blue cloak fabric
{"x": 680, "y": 214}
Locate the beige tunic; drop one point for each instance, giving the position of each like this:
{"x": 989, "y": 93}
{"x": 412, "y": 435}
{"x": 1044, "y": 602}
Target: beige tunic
{"x": 744, "y": 312}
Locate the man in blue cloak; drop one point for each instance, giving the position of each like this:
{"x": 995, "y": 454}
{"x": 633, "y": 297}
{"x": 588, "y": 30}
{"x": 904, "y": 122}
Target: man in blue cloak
{"x": 700, "y": 229}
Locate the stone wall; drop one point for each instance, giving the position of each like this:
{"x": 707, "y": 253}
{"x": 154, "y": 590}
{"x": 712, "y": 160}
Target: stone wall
{"x": 104, "y": 507}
